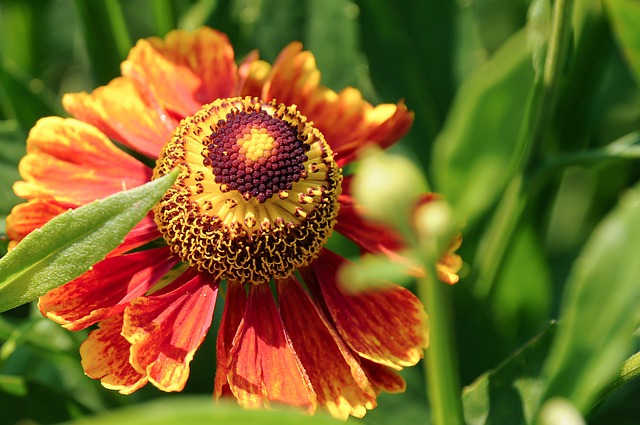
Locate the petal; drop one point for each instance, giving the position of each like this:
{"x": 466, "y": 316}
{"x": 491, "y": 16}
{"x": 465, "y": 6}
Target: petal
{"x": 340, "y": 383}
{"x": 27, "y": 217}
{"x": 106, "y": 289}
{"x": 185, "y": 70}
{"x": 383, "y": 378}
{"x": 105, "y": 356}
{"x": 74, "y": 162}
{"x": 252, "y": 74}
{"x": 264, "y": 367}
{"x": 371, "y": 237}
{"x": 231, "y": 317}
{"x": 124, "y": 114}
{"x": 387, "y": 326}
{"x": 347, "y": 121}
{"x": 144, "y": 232}
{"x": 166, "y": 329}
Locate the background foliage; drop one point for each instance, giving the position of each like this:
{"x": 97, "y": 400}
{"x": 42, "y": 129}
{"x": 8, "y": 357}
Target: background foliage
{"x": 543, "y": 174}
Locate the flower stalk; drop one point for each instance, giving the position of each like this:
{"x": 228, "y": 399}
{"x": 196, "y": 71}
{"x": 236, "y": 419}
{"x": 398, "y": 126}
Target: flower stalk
{"x": 443, "y": 384}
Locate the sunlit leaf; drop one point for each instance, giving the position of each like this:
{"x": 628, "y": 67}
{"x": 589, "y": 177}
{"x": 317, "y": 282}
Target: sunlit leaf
{"x": 474, "y": 154}
{"x": 600, "y": 309}
{"x": 201, "y": 410}
{"x": 509, "y": 394}
{"x": 72, "y": 242}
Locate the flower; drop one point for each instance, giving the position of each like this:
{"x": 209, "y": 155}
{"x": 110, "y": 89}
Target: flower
{"x": 261, "y": 188}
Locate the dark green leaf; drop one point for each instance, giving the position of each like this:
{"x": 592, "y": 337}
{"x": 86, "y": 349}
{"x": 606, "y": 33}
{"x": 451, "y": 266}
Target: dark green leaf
{"x": 624, "y": 16}
{"x": 509, "y": 394}
{"x": 72, "y": 242}
{"x": 600, "y": 308}
{"x": 13, "y": 385}
{"x": 24, "y": 98}
{"x": 11, "y": 150}
{"x": 106, "y": 36}
{"x": 201, "y": 410}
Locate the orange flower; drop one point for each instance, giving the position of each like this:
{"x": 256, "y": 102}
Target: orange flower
{"x": 260, "y": 148}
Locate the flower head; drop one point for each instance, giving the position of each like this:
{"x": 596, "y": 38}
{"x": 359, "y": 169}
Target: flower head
{"x": 260, "y": 149}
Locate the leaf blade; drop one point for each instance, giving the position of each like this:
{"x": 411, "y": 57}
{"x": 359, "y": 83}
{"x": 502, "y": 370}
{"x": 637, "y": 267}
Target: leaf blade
{"x": 70, "y": 243}
{"x": 599, "y": 313}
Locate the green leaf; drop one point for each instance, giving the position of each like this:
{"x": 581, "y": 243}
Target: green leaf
{"x": 12, "y": 148}
{"x": 600, "y": 308}
{"x": 335, "y": 46}
{"x": 24, "y": 98}
{"x": 69, "y": 244}
{"x": 511, "y": 393}
{"x": 106, "y": 36}
{"x": 13, "y": 385}
{"x": 624, "y": 16}
{"x": 474, "y": 155}
{"x": 201, "y": 410}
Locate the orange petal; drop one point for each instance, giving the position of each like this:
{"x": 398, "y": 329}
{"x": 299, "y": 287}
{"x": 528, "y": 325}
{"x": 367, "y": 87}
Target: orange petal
{"x": 264, "y": 367}
{"x": 133, "y": 118}
{"x": 387, "y": 326}
{"x": 75, "y": 163}
{"x": 252, "y": 73}
{"x": 106, "y": 289}
{"x": 25, "y": 218}
{"x": 336, "y": 376}
{"x": 185, "y": 70}
{"x": 383, "y": 378}
{"x": 166, "y": 329}
{"x": 347, "y": 121}
{"x": 232, "y": 314}
{"x": 105, "y": 356}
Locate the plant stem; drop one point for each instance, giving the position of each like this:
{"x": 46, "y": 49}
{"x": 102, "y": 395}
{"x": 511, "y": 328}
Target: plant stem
{"x": 441, "y": 370}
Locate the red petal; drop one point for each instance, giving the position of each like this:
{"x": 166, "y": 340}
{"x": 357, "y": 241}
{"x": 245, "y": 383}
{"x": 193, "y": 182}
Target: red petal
{"x": 75, "y": 163}
{"x": 231, "y": 317}
{"x": 387, "y": 326}
{"x": 383, "y": 378}
{"x": 185, "y": 70}
{"x": 165, "y": 330}
{"x": 105, "y": 356}
{"x": 106, "y": 289}
{"x": 264, "y": 367}
{"x": 336, "y": 376}
{"x": 144, "y": 232}
{"x": 347, "y": 121}
{"x": 118, "y": 109}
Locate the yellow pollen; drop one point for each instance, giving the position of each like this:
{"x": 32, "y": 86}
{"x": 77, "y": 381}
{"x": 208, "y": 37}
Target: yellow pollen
{"x": 256, "y": 144}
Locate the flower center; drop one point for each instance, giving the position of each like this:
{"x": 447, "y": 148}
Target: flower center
{"x": 256, "y": 154}
{"x": 257, "y": 195}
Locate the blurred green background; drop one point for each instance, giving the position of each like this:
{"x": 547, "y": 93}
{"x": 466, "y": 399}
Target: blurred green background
{"x": 467, "y": 68}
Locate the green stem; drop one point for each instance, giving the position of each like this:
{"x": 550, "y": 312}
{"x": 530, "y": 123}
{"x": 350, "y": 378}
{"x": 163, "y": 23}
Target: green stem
{"x": 441, "y": 370}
